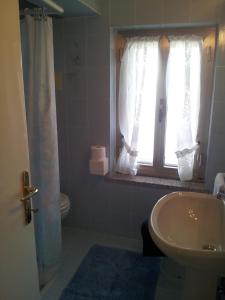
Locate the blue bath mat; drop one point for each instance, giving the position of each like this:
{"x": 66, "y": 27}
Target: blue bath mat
{"x": 114, "y": 274}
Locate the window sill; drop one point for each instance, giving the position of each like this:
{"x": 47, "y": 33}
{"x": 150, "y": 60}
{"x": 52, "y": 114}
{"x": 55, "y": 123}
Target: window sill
{"x": 158, "y": 182}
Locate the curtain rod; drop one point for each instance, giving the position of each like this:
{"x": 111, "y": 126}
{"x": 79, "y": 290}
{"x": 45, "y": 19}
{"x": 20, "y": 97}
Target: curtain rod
{"x": 34, "y": 11}
{"x": 165, "y": 30}
{"x": 58, "y": 9}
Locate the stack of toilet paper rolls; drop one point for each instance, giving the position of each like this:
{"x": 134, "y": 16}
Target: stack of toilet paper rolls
{"x": 98, "y": 163}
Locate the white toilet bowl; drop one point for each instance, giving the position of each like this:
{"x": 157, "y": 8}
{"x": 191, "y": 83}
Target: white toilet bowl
{"x": 64, "y": 205}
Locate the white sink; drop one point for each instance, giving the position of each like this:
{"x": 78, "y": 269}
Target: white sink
{"x": 189, "y": 228}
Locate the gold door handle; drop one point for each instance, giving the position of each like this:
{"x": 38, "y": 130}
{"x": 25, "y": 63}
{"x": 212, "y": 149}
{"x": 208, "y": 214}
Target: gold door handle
{"x": 31, "y": 193}
{"x": 28, "y": 193}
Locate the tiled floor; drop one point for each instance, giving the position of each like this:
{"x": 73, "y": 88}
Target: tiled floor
{"x": 76, "y": 244}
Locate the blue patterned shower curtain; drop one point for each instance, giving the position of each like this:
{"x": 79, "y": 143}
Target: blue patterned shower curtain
{"x": 38, "y": 65}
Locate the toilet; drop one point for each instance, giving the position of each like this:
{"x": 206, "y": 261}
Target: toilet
{"x": 219, "y": 184}
{"x": 64, "y": 205}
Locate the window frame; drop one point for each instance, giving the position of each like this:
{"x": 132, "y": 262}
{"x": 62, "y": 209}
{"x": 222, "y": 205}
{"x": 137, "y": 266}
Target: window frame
{"x": 208, "y": 57}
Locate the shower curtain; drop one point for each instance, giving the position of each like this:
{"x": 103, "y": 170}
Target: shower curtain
{"x": 38, "y": 66}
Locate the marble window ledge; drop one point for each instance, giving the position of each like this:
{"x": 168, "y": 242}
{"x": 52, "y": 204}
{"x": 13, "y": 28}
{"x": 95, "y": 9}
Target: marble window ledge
{"x": 157, "y": 182}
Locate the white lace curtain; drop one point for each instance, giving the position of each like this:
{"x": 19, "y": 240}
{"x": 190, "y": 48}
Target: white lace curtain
{"x": 138, "y": 74}
{"x": 183, "y": 93}
{"x": 138, "y": 86}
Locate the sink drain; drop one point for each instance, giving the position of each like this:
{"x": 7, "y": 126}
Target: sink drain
{"x": 209, "y": 247}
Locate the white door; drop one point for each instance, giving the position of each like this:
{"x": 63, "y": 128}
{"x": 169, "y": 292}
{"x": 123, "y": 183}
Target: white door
{"x": 18, "y": 267}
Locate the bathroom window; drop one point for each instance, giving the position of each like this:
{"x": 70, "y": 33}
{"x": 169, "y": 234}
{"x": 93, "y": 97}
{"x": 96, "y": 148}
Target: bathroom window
{"x": 164, "y": 81}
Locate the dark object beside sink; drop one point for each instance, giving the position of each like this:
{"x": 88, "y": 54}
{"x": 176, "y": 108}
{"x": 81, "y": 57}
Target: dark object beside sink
{"x": 149, "y": 247}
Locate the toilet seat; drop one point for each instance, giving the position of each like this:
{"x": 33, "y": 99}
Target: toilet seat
{"x": 64, "y": 205}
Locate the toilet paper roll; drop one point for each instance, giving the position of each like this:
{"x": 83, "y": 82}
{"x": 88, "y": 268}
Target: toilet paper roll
{"x": 98, "y": 152}
{"x": 99, "y": 167}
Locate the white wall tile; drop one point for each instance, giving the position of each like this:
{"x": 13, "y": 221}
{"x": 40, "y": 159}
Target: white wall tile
{"x": 75, "y": 84}
{"x": 177, "y": 11}
{"x": 219, "y": 88}
{"x": 122, "y": 12}
{"x": 75, "y": 26}
{"x": 220, "y": 11}
{"x": 218, "y": 118}
{"x": 99, "y": 25}
{"x": 74, "y": 52}
{"x": 220, "y": 54}
{"x": 98, "y": 83}
{"x": 58, "y": 40}
{"x": 203, "y": 11}
{"x": 216, "y": 158}
{"x": 97, "y": 50}
{"x": 149, "y": 12}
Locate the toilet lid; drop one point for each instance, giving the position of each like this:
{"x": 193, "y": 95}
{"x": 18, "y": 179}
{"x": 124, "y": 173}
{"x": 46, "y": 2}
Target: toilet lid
{"x": 65, "y": 206}
{"x": 64, "y": 201}
{"x": 64, "y": 209}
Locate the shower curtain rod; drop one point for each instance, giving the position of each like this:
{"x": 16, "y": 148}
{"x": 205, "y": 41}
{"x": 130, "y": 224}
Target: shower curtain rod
{"x": 33, "y": 12}
{"x": 58, "y": 9}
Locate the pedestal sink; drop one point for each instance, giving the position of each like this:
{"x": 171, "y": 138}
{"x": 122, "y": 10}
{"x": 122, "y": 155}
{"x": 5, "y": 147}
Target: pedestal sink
{"x": 189, "y": 228}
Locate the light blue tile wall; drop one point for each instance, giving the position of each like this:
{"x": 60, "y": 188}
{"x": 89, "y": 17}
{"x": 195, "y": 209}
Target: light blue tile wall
{"x": 216, "y": 157}
{"x": 82, "y": 56}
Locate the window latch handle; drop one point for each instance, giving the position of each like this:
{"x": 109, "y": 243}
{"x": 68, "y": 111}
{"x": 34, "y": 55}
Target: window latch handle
{"x": 162, "y": 103}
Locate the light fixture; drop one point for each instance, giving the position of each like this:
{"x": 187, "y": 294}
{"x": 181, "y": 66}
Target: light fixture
{"x": 54, "y": 5}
